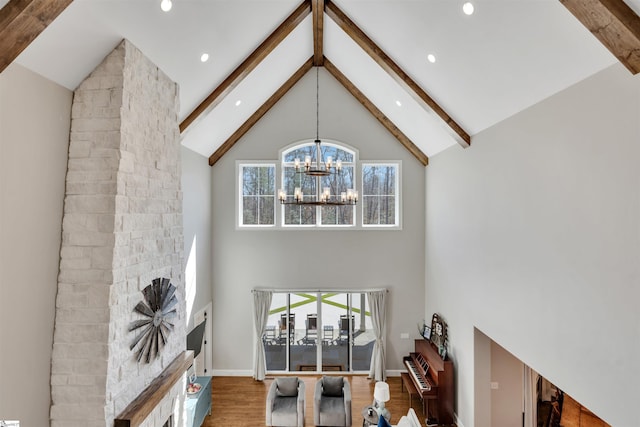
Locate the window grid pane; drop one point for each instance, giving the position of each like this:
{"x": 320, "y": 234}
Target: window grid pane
{"x": 370, "y": 210}
{"x": 379, "y": 194}
{"x": 258, "y": 194}
{"x": 249, "y": 210}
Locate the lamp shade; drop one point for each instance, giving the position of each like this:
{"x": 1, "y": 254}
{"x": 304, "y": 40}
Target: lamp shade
{"x": 381, "y": 392}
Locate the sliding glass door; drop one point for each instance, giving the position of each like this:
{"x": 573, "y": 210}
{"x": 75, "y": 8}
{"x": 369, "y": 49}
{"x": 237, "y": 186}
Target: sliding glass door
{"x": 303, "y": 344}
{"x": 336, "y": 348}
{"x": 276, "y": 333}
{"x": 318, "y": 332}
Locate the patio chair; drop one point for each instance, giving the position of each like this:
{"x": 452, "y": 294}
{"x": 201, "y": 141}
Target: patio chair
{"x": 327, "y": 335}
{"x": 269, "y": 336}
{"x": 311, "y": 330}
{"x": 343, "y": 336}
{"x": 283, "y": 327}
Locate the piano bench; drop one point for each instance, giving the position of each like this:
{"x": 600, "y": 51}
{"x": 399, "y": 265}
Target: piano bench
{"x": 408, "y": 384}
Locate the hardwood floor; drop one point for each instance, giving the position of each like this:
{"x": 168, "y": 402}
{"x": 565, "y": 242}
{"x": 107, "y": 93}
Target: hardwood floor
{"x": 239, "y": 401}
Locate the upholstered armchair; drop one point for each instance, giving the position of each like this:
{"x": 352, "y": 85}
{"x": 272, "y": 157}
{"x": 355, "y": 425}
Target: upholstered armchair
{"x": 332, "y": 402}
{"x": 285, "y": 402}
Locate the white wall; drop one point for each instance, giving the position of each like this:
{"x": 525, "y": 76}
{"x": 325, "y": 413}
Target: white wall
{"x": 34, "y": 138}
{"x": 506, "y": 399}
{"x": 533, "y": 236}
{"x": 349, "y": 259}
{"x": 196, "y": 190}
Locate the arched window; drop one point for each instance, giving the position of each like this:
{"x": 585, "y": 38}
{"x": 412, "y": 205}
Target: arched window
{"x": 314, "y": 216}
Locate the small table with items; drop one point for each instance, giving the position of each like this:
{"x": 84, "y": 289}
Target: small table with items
{"x": 198, "y": 404}
{"x": 370, "y": 416}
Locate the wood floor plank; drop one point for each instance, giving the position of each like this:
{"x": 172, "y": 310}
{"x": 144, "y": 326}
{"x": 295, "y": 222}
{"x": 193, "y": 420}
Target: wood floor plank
{"x": 239, "y": 401}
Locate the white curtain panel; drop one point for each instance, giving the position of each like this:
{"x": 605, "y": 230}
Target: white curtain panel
{"x": 261, "y": 305}
{"x": 378, "y": 308}
{"x": 530, "y": 396}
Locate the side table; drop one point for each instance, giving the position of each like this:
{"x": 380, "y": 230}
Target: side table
{"x": 198, "y": 405}
{"x": 370, "y": 416}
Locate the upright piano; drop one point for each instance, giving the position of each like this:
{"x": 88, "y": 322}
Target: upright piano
{"x": 432, "y": 379}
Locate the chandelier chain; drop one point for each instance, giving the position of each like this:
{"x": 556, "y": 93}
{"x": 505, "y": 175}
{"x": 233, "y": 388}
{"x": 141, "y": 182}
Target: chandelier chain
{"x": 321, "y": 169}
{"x": 317, "y": 103}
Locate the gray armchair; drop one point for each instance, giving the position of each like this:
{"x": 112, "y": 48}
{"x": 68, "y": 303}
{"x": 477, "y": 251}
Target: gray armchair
{"x": 285, "y": 403}
{"x": 332, "y": 402}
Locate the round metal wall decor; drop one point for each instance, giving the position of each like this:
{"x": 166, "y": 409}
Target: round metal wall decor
{"x": 158, "y": 308}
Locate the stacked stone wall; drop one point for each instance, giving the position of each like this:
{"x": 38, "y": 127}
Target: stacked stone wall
{"x": 122, "y": 228}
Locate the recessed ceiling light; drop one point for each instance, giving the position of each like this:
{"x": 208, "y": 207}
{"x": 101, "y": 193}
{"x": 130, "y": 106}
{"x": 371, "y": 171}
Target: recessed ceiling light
{"x": 238, "y": 102}
{"x": 204, "y": 57}
{"x": 398, "y": 103}
{"x": 165, "y": 5}
{"x": 468, "y": 8}
{"x": 431, "y": 58}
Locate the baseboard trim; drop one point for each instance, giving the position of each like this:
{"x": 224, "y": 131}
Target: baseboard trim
{"x": 249, "y": 373}
{"x": 232, "y": 373}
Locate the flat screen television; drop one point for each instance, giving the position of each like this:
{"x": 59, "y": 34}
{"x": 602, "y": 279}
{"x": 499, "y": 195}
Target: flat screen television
{"x": 195, "y": 338}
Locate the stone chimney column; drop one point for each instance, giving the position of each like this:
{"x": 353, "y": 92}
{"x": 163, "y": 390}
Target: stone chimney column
{"x": 122, "y": 227}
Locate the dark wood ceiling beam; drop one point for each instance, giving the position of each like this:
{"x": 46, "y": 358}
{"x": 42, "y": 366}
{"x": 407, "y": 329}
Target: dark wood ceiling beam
{"x": 387, "y": 64}
{"x": 379, "y": 115}
{"x": 249, "y": 64}
{"x": 317, "y": 7}
{"x": 21, "y": 21}
{"x": 242, "y": 130}
{"x": 614, "y": 24}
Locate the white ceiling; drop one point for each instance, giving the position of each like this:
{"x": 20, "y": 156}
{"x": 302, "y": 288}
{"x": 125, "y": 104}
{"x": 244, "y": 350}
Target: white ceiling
{"x": 507, "y": 56}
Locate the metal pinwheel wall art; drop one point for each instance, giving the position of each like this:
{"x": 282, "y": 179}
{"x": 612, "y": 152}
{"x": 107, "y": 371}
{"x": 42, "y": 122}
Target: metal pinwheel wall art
{"x": 158, "y": 308}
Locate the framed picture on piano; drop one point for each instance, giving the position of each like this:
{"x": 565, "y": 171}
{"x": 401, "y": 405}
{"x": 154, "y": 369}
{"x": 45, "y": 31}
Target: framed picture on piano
{"x": 438, "y": 333}
{"x": 426, "y": 332}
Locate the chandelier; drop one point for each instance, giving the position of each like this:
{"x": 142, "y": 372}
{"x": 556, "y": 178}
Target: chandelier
{"x": 320, "y": 169}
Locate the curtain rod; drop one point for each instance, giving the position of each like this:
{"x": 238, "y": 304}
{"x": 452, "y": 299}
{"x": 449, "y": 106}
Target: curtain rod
{"x": 344, "y": 291}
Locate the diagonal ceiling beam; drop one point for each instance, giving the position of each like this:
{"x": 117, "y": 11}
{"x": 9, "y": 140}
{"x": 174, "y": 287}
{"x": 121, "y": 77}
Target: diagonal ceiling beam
{"x": 242, "y": 130}
{"x": 317, "y": 7}
{"x": 249, "y": 64}
{"x": 21, "y": 21}
{"x": 387, "y": 64}
{"x": 614, "y": 24}
{"x": 379, "y": 115}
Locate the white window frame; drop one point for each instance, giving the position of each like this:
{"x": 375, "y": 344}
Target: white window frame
{"x": 240, "y": 165}
{"x": 318, "y": 223}
{"x": 398, "y": 200}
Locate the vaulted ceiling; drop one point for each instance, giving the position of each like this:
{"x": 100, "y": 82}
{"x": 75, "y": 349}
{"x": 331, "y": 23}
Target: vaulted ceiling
{"x": 507, "y": 56}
